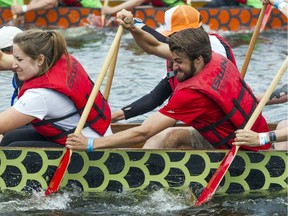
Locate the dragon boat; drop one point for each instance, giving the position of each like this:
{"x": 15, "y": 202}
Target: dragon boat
{"x": 195, "y": 3}
{"x": 30, "y": 169}
{"x": 233, "y": 19}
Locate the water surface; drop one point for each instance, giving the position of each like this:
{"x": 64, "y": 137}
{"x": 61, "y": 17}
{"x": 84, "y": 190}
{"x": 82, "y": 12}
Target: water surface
{"x": 136, "y": 74}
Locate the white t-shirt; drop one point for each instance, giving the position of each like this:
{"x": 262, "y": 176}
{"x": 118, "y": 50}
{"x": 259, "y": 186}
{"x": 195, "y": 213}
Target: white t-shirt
{"x": 48, "y": 104}
{"x": 217, "y": 46}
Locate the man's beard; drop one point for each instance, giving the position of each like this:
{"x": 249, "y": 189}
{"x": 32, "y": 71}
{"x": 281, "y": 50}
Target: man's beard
{"x": 186, "y": 76}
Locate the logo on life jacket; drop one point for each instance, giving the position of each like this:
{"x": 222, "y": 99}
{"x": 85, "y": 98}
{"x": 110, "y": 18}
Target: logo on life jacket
{"x": 218, "y": 79}
{"x": 72, "y": 75}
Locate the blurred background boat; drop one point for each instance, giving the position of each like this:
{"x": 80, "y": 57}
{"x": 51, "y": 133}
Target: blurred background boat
{"x": 224, "y": 18}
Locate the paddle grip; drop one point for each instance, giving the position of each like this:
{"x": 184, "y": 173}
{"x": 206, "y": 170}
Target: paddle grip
{"x": 127, "y": 20}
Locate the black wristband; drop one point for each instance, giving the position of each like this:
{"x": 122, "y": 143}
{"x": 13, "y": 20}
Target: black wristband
{"x": 272, "y": 136}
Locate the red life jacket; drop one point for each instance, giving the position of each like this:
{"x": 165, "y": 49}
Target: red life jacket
{"x": 73, "y": 3}
{"x": 77, "y": 86}
{"x": 229, "y": 53}
{"x": 221, "y": 81}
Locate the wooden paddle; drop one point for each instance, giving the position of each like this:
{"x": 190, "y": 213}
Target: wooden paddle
{"x": 253, "y": 40}
{"x": 15, "y": 15}
{"x": 225, "y": 164}
{"x": 266, "y": 17}
{"x": 111, "y": 71}
{"x": 103, "y": 15}
{"x": 111, "y": 74}
{"x": 59, "y": 173}
{"x": 211, "y": 187}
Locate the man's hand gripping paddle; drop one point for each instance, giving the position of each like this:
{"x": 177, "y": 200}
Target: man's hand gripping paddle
{"x": 212, "y": 185}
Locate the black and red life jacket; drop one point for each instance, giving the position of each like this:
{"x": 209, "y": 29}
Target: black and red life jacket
{"x": 229, "y": 53}
{"x": 77, "y": 86}
{"x": 221, "y": 81}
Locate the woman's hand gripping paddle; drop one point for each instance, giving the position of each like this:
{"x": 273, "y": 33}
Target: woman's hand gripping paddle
{"x": 61, "y": 169}
{"x": 220, "y": 172}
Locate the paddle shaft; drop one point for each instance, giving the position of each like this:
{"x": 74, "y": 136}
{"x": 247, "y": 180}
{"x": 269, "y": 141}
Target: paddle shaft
{"x": 103, "y": 15}
{"x": 253, "y": 41}
{"x": 227, "y": 161}
{"x": 99, "y": 80}
{"x": 266, "y": 17}
{"x": 214, "y": 182}
{"x": 14, "y": 16}
{"x": 267, "y": 95}
{"x": 61, "y": 169}
{"x": 111, "y": 74}
{"x": 112, "y": 68}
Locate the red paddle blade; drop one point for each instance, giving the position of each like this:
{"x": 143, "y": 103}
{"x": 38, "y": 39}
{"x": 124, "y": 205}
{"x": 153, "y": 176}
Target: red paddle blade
{"x": 266, "y": 17}
{"x": 59, "y": 173}
{"x": 211, "y": 187}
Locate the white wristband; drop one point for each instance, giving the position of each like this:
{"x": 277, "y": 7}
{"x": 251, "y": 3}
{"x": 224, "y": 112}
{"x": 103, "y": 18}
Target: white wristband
{"x": 282, "y": 6}
{"x": 24, "y": 8}
{"x": 90, "y": 145}
{"x": 277, "y": 3}
{"x": 263, "y": 139}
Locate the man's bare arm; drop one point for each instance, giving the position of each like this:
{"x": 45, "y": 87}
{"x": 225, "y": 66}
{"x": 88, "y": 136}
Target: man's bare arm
{"x": 151, "y": 126}
{"x": 144, "y": 40}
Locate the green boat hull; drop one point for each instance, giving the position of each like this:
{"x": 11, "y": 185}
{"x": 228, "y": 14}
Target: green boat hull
{"x": 133, "y": 169}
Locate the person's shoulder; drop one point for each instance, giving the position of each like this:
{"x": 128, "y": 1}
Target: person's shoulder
{"x": 186, "y": 95}
{"x": 45, "y": 93}
{"x": 216, "y": 37}
{"x": 39, "y": 90}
